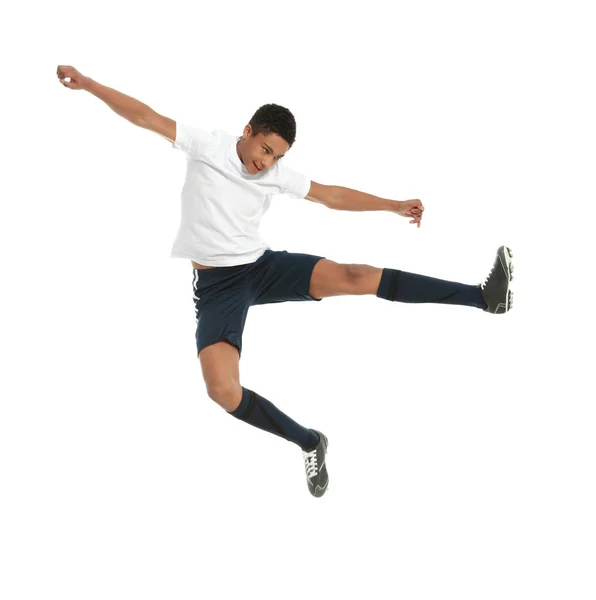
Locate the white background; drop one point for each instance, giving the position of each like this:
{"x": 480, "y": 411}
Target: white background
{"x": 462, "y": 444}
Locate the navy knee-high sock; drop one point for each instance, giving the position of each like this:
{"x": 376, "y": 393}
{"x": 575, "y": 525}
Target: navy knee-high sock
{"x": 261, "y": 413}
{"x": 401, "y": 286}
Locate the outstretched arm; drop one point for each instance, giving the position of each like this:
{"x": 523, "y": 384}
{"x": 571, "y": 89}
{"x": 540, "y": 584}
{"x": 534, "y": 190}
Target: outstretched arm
{"x": 343, "y": 198}
{"x": 131, "y": 109}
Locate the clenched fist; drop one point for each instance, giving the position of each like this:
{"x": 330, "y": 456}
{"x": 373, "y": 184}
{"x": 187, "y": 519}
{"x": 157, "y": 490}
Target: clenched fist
{"x": 410, "y": 208}
{"x": 77, "y": 80}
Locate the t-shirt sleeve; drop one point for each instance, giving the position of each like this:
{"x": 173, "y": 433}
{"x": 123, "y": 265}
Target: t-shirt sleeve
{"x": 191, "y": 140}
{"x": 294, "y": 184}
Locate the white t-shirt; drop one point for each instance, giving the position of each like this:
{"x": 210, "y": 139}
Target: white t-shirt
{"x": 222, "y": 203}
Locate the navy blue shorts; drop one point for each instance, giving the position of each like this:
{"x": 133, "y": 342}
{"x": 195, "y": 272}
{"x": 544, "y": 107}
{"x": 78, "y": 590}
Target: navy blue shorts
{"x": 223, "y": 295}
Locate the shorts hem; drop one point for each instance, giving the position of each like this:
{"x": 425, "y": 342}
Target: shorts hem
{"x": 310, "y": 276}
{"x": 236, "y": 344}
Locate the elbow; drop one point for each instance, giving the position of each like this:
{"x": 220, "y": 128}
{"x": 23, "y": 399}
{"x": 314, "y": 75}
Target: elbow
{"x": 334, "y": 197}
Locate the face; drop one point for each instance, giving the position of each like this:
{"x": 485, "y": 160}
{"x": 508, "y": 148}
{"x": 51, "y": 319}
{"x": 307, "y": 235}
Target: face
{"x": 264, "y": 150}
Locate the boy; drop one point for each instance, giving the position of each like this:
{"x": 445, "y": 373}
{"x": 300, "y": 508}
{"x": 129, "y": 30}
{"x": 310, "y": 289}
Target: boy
{"x": 229, "y": 184}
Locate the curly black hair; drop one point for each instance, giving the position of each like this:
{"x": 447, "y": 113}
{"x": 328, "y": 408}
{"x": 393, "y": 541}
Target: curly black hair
{"x": 273, "y": 118}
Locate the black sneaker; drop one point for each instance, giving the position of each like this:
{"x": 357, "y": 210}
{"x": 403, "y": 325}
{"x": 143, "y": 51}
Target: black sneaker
{"x": 316, "y": 469}
{"x": 495, "y": 290}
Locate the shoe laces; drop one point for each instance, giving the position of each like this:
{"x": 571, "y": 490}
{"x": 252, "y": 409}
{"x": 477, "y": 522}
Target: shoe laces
{"x": 310, "y": 463}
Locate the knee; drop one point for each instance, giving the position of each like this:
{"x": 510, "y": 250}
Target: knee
{"x": 355, "y": 272}
{"x": 227, "y": 395}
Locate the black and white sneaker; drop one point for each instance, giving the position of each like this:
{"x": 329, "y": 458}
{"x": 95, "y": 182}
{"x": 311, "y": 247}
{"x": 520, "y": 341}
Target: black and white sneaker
{"x": 316, "y": 469}
{"x": 495, "y": 290}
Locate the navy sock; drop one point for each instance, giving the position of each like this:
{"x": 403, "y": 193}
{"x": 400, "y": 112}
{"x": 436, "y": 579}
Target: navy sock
{"x": 261, "y": 413}
{"x": 401, "y": 286}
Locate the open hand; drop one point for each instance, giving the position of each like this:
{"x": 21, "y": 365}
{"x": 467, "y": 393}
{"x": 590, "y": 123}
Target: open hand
{"x": 77, "y": 80}
{"x": 411, "y": 208}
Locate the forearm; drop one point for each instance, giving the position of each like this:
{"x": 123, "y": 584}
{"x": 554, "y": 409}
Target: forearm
{"x": 349, "y": 199}
{"x": 127, "y": 107}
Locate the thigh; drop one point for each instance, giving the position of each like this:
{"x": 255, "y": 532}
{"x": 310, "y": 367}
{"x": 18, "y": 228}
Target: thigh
{"x": 282, "y": 276}
{"x": 220, "y": 363}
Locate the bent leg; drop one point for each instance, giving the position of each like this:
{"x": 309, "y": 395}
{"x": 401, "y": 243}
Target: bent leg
{"x": 220, "y": 363}
{"x": 261, "y": 413}
{"x": 220, "y": 366}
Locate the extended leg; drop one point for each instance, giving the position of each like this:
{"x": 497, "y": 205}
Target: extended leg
{"x": 333, "y": 279}
{"x": 402, "y": 286}
{"x": 330, "y": 278}
{"x": 493, "y": 296}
